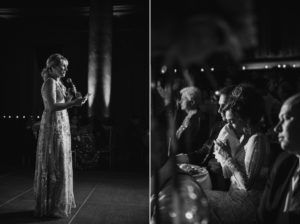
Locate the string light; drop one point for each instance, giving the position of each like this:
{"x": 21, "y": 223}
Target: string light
{"x": 212, "y": 69}
{"x": 202, "y": 69}
{"x": 163, "y": 69}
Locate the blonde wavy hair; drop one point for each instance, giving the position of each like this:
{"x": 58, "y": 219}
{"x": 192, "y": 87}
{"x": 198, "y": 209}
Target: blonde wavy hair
{"x": 53, "y": 61}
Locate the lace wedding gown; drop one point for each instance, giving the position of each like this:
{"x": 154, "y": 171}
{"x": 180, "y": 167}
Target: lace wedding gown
{"x": 248, "y": 175}
{"x": 53, "y": 180}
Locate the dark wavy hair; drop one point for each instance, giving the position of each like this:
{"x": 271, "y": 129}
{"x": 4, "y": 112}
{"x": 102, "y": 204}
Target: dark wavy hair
{"x": 247, "y": 103}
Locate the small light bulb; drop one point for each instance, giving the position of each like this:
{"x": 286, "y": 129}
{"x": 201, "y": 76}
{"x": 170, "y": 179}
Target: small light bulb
{"x": 163, "y": 69}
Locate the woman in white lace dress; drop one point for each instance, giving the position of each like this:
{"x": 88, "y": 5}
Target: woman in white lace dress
{"x": 246, "y": 166}
{"x": 53, "y": 180}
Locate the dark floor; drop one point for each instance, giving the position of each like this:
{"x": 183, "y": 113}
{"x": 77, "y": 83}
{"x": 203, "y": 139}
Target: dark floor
{"x": 102, "y": 197}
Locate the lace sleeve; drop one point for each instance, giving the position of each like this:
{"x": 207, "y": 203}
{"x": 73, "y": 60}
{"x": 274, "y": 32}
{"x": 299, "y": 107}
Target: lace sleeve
{"x": 238, "y": 171}
{"x": 246, "y": 173}
{"x": 254, "y": 158}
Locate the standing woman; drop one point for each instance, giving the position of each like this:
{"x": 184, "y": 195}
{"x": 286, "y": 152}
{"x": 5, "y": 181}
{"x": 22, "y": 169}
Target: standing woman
{"x": 53, "y": 180}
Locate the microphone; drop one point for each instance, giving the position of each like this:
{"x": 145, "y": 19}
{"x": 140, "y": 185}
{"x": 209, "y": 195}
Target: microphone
{"x": 69, "y": 80}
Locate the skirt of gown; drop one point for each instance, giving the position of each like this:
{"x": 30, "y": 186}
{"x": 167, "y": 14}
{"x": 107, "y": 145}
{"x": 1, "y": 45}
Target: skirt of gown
{"x": 53, "y": 180}
{"x": 235, "y": 206}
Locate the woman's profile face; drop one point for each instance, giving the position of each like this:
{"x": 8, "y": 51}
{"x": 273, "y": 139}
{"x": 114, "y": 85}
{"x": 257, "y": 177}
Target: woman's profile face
{"x": 234, "y": 121}
{"x": 60, "y": 70}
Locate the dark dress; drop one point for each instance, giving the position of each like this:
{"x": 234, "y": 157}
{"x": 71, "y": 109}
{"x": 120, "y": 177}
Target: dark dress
{"x": 188, "y": 134}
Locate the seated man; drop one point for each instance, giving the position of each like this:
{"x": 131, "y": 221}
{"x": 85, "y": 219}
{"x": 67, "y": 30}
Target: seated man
{"x": 280, "y": 202}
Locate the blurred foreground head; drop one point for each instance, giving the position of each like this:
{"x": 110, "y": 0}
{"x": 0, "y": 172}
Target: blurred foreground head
{"x": 193, "y": 30}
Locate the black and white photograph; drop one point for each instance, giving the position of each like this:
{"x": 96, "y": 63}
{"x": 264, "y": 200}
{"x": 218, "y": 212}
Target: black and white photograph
{"x": 225, "y": 112}
{"x": 74, "y": 111}
{"x": 150, "y": 112}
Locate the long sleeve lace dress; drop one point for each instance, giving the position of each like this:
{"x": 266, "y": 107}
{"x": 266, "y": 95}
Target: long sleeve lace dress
{"x": 248, "y": 176}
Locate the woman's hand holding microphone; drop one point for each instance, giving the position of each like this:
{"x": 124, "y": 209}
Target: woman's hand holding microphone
{"x": 73, "y": 93}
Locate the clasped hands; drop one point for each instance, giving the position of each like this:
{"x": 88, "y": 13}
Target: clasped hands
{"x": 221, "y": 151}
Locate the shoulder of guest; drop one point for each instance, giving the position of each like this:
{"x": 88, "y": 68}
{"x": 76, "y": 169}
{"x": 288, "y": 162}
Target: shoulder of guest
{"x": 284, "y": 161}
{"x": 257, "y": 138}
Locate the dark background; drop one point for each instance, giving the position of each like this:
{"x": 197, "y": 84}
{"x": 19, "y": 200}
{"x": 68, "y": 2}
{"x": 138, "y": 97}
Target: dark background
{"x": 31, "y": 31}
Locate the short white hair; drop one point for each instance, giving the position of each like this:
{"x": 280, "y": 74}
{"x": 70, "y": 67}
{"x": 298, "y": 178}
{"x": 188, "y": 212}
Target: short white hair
{"x": 192, "y": 94}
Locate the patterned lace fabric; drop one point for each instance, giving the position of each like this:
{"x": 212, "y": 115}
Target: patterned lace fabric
{"x": 53, "y": 180}
{"x": 239, "y": 204}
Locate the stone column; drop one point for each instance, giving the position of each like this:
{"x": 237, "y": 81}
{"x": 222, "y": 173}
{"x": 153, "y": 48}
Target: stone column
{"x": 100, "y": 58}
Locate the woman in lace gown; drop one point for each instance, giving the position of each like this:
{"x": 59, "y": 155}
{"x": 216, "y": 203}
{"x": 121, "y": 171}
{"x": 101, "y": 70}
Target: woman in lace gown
{"x": 53, "y": 180}
{"x": 247, "y": 166}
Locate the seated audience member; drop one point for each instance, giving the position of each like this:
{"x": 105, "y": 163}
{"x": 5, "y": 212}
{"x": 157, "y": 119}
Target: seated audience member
{"x": 280, "y": 202}
{"x": 245, "y": 163}
{"x": 204, "y": 156}
{"x": 187, "y": 135}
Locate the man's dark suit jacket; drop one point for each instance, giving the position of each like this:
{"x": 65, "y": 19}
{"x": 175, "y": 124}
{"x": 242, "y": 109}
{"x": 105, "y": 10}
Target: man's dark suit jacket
{"x": 273, "y": 199}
